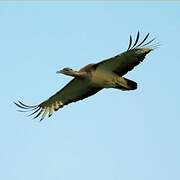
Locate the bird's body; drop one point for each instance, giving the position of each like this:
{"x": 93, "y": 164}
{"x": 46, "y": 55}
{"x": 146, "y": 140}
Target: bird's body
{"x": 93, "y": 78}
{"x": 102, "y": 78}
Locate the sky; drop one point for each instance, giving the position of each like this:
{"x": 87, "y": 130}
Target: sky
{"x": 111, "y": 135}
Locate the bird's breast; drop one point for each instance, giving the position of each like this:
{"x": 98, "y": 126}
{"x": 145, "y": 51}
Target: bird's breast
{"x": 102, "y": 78}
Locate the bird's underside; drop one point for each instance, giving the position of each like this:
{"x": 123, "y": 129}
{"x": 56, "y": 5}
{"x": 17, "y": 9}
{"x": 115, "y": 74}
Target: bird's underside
{"x": 93, "y": 78}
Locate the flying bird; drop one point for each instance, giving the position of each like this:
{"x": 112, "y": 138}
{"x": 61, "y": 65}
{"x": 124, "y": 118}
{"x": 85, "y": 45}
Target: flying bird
{"x": 94, "y": 77}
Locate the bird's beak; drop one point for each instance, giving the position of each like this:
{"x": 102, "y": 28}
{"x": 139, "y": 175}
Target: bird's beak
{"x": 60, "y": 71}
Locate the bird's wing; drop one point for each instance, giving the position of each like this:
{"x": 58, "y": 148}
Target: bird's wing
{"x": 75, "y": 90}
{"x": 127, "y": 60}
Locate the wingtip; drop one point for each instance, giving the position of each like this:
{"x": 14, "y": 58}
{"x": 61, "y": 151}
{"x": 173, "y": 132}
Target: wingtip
{"x": 130, "y": 42}
{"x": 142, "y": 43}
{"x": 41, "y": 119}
{"x": 136, "y": 41}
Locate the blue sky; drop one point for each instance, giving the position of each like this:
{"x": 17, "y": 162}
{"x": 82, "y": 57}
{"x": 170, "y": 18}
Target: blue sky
{"x": 112, "y": 135}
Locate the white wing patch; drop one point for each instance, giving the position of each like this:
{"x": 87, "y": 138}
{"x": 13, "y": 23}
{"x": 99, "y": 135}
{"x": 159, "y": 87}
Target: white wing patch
{"x": 43, "y": 110}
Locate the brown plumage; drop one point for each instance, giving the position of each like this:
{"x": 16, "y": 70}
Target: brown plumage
{"x": 93, "y": 78}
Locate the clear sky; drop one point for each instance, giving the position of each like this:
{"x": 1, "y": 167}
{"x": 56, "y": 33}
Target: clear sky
{"x": 113, "y": 135}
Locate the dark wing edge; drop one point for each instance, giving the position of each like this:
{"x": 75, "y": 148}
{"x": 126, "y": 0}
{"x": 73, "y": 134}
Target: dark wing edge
{"x": 141, "y": 44}
{"x": 54, "y": 103}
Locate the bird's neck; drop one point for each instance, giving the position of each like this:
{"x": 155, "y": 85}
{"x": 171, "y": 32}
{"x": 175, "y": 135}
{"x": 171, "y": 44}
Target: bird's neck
{"x": 77, "y": 74}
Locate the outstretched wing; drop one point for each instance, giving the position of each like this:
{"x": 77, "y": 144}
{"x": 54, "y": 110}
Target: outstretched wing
{"x": 75, "y": 90}
{"x": 127, "y": 60}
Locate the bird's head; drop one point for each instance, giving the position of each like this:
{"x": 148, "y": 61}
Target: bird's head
{"x": 66, "y": 71}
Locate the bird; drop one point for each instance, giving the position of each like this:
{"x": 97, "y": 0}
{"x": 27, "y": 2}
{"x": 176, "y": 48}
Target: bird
{"x": 92, "y": 78}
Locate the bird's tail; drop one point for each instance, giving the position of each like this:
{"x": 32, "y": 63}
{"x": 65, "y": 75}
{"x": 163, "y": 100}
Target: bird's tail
{"x": 126, "y": 84}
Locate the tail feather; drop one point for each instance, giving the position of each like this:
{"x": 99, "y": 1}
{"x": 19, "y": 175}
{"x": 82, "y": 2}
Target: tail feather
{"x": 126, "y": 84}
{"x": 132, "y": 84}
